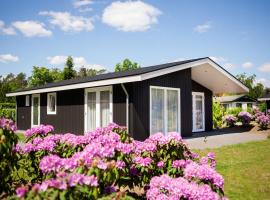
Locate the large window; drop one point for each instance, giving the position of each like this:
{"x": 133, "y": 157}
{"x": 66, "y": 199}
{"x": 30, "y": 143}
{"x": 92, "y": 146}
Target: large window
{"x": 51, "y": 103}
{"x": 27, "y": 100}
{"x": 164, "y": 109}
{"x": 98, "y": 107}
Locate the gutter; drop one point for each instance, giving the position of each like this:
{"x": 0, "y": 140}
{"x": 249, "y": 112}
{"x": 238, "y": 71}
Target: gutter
{"x": 127, "y": 105}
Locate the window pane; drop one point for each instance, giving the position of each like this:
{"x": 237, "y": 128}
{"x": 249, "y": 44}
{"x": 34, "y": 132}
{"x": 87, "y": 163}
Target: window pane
{"x": 199, "y": 111}
{"x": 104, "y": 108}
{"x": 157, "y": 110}
{"x": 35, "y": 110}
{"x": 52, "y": 103}
{"x": 172, "y": 106}
{"x": 91, "y": 111}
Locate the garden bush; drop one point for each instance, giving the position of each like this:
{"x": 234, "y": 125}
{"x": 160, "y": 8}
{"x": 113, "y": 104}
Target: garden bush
{"x": 107, "y": 163}
{"x": 230, "y": 120}
{"x": 8, "y": 157}
{"x": 218, "y": 111}
{"x": 233, "y": 111}
{"x": 8, "y": 110}
{"x": 245, "y": 118}
{"x": 263, "y": 121}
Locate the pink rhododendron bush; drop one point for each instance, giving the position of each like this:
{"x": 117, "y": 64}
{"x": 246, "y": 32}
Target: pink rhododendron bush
{"x": 108, "y": 164}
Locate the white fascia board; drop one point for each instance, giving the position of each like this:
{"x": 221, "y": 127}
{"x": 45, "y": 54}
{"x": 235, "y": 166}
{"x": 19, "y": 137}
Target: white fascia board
{"x": 79, "y": 85}
{"x": 263, "y": 99}
{"x": 173, "y": 69}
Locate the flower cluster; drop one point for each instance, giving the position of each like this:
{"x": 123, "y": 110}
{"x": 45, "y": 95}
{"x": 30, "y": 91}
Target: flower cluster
{"x": 263, "y": 121}
{"x": 41, "y": 130}
{"x": 230, "y": 120}
{"x": 8, "y": 124}
{"x": 109, "y": 159}
{"x": 63, "y": 181}
{"x": 245, "y": 117}
{"x": 165, "y": 187}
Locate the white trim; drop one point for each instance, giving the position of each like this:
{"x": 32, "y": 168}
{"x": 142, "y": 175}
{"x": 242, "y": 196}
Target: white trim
{"x": 97, "y": 90}
{"x": 134, "y": 78}
{"x": 193, "y": 114}
{"x": 48, "y": 108}
{"x": 263, "y": 99}
{"x": 127, "y": 106}
{"x": 32, "y": 117}
{"x": 165, "y": 107}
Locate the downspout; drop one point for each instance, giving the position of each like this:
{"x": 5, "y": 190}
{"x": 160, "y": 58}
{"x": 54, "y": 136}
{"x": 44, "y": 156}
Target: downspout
{"x": 127, "y": 105}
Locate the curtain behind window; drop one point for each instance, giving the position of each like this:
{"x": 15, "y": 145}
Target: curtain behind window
{"x": 91, "y": 111}
{"x": 104, "y": 108}
{"x": 157, "y": 110}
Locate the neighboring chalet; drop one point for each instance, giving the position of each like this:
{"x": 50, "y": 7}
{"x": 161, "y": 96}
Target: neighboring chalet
{"x": 266, "y": 99}
{"x": 236, "y": 101}
{"x": 162, "y": 98}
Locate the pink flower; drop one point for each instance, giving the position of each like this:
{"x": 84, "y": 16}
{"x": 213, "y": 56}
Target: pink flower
{"x": 144, "y": 162}
{"x": 160, "y": 164}
{"x": 21, "y": 191}
{"x": 178, "y": 164}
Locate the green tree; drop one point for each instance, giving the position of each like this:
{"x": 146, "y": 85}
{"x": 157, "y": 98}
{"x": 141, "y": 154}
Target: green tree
{"x": 40, "y": 76}
{"x": 218, "y": 112}
{"x": 83, "y": 72}
{"x": 11, "y": 83}
{"x": 256, "y": 90}
{"x": 69, "y": 71}
{"x": 126, "y": 65}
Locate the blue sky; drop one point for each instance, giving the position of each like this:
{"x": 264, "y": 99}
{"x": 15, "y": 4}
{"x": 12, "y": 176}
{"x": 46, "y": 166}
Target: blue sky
{"x": 100, "y": 33}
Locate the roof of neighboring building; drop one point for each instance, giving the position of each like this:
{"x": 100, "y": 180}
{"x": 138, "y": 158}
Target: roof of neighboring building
{"x": 128, "y": 76}
{"x": 265, "y": 97}
{"x": 235, "y": 98}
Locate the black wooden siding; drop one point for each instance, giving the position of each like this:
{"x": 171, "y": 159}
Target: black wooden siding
{"x": 208, "y": 95}
{"x": 119, "y": 105}
{"x": 140, "y": 102}
{"x": 69, "y": 116}
{"x": 23, "y": 113}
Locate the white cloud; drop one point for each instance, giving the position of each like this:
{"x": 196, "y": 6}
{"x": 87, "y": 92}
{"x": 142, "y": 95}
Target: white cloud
{"x": 202, "y": 28}
{"x": 81, "y": 3}
{"x": 78, "y": 62}
{"x": 265, "y": 82}
{"x": 32, "y": 28}
{"x": 68, "y": 22}
{"x": 6, "y": 30}
{"x": 87, "y": 9}
{"x": 228, "y": 65}
{"x": 247, "y": 65}
{"x": 265, "y": 67}
{"x": 130, "y": 15}
{"x": 218, "y": 59}
{"x": 6, "y": 58}
{"x": 179, "y": 59}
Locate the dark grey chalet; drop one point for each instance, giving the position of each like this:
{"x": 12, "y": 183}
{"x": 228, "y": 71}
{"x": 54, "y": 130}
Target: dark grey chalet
{"x": 163, "y": 98}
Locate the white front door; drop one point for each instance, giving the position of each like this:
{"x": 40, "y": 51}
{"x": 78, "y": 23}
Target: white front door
{"x": 98, "y": 108}
{"x": 198, "y": 115}
{"x": 35, "y": 110}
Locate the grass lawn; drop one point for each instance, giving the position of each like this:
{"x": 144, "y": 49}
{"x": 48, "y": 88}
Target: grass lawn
{"x": 245, "y": 168}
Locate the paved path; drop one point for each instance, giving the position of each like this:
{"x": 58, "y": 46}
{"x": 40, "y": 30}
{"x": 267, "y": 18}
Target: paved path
{"x": 213, "y": 141}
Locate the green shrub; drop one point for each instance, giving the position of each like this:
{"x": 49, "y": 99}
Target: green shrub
{"x": 8, "y": 158}
{"x": 218, "y": 111}
{"x": 233, "y": 111}
{"x": 8, "y": 110}
{"x": 262, "y": 106}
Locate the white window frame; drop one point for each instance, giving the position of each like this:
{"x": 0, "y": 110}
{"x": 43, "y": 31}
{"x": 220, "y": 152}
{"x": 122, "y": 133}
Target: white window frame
{"x": 165, "y": 107}
{"x": 32, "y": 108}
{"x": 27, "y": 100}
{"x": 97, "y": 90}
{"x": 48, "y": 99}
{"x": 203, "y": 110}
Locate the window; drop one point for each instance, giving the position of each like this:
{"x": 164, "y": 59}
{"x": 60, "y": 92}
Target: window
{"x": 164, "y": 109}
{"x": 51, "y": 103}
{"x": 238, "y": 105}
{"x": 98, "y": 107}
{"x": 27, "y": 100}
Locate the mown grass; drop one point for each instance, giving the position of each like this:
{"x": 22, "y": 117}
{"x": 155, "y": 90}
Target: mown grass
{"x": 245, "y": 168}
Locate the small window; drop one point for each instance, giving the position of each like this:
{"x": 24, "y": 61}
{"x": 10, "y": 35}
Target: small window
{"x": 51, "y": 103}
{"x": 27, "y": 100}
